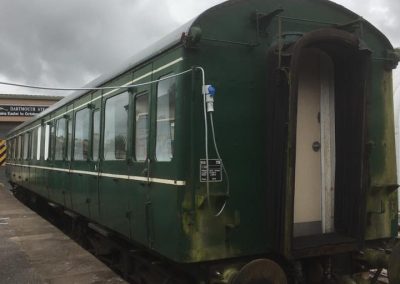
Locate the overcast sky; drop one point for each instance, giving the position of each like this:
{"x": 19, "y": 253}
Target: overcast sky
{"x": 70, "y": 42}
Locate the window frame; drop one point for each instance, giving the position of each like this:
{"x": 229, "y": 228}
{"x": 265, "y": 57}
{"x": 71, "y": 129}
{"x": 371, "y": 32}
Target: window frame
{"x": 94, "y": 112}
{"x": 156, "y": 132}
{"x": 9, "y": 148}
{"x": 53, "y": 127}
{"x": 25, "y": 147}
{"x": 134, "y": 153}
{"x": 33, "y": 144}
{"x": 63, "y": 146}
{"x": 14, "y": 154}
{"x": 73, "y": 154}
{"x": 70, "y": 136}
{"x": 47, "y": 143}
{"x": 12, "y": 149}
{"x": 103, "y": 128}
{"x": 40, "y": 153}
{"x": 19, "y": 147}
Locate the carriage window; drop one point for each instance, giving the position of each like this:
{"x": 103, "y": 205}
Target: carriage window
{"x": 166, "y": 92}
{"x": 141, "y": 126}
{"x": 8, "y": 145}
{"x": 116, "y": 127}
{"x": 60, "y": 139}
{"x": 39, "y": 140}
{"x": 81, "y": 145}
{"x": 11, "y": 149}
{"x": 26, "y": 146}
{"x": 52, "y": 141}
{"x": 96, "y": 135}
{"x": 69, "y": 143}
{"x": 34, "y": 144}
{"x": 19, "y": 147}
{"x": 46, "y": 141}
{"x": 8, "y": 148}
{"x": 14, "y": 148}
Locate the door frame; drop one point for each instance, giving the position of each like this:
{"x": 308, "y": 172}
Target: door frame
{"x": 327, "y": 36}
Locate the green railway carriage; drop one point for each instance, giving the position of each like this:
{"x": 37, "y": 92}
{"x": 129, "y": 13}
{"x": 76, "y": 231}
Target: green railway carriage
{"x": 303, "y": 120}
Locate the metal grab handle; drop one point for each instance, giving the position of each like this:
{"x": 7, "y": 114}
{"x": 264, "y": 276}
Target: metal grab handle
{"x": 146, "y": 173}
{"x": 148, "y": 170}
{"x": 316, "y": 146}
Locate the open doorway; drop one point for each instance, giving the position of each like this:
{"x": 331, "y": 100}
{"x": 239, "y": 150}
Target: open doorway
{"x": 314, "y": 193}
{"x": 329, "y": 83}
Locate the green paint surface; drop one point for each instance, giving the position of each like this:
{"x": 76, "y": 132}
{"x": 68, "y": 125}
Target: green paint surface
{"x": 176, "y": 221}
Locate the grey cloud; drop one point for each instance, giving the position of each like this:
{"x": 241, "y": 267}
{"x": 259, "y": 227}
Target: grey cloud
{"x": 70, "y": 42}
{"x": 384, "y": 14}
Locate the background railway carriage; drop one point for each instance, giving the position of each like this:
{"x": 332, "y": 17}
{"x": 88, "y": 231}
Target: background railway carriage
{"x": 303, "y": 120}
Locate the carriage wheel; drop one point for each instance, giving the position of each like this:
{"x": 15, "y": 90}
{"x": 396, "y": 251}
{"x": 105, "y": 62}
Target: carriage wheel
{"x": 261, "y": 271}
